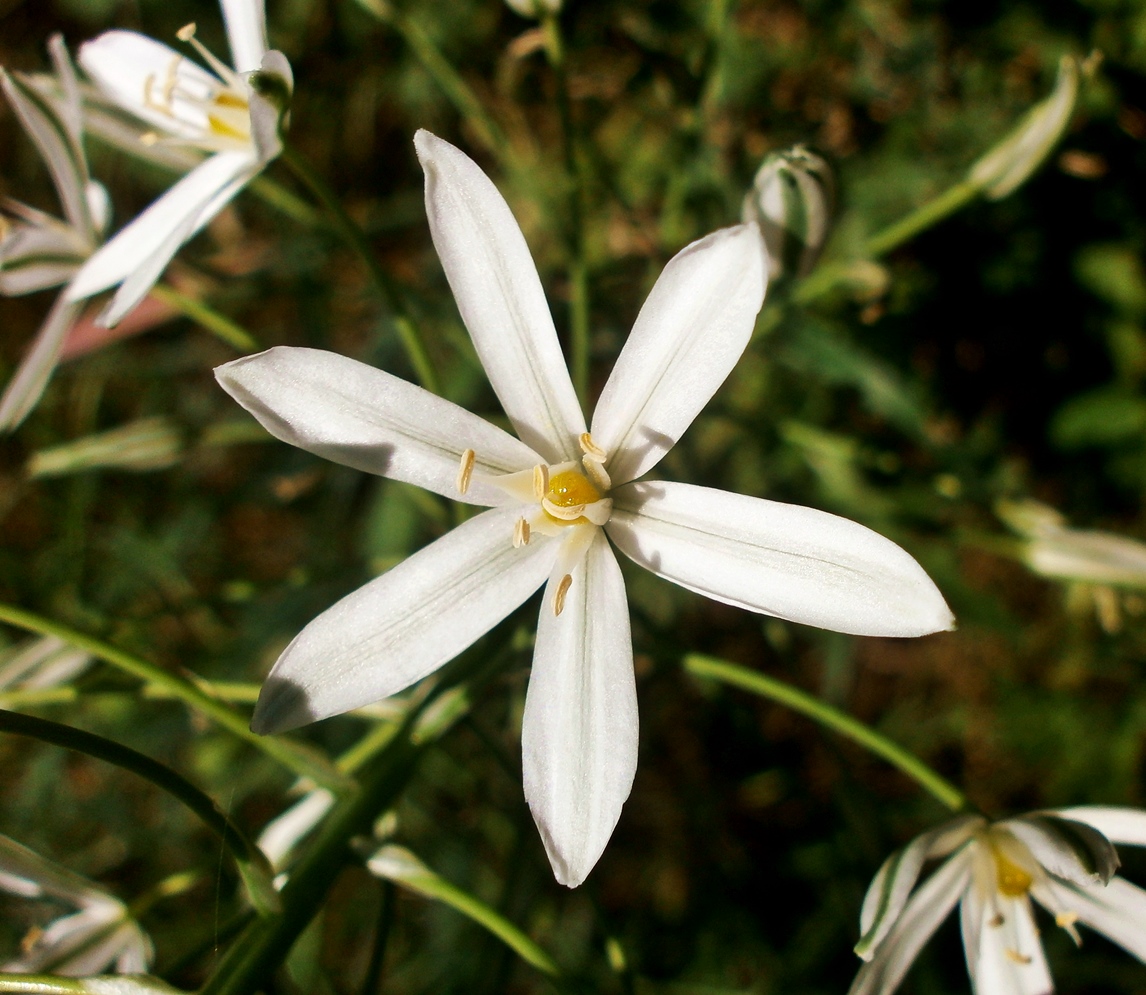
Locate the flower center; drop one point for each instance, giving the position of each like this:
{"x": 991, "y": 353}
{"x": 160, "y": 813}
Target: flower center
{"x": 1011, "y": 879}
{"x": 571, "y": 488}
{"x": 225, "y": 108}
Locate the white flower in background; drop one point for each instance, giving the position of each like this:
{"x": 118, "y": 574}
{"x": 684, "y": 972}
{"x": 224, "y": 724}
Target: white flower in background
{"x": 101, "y": 934}
{"x": 534, "y": 8}
{"x": 1063, "y": 859}
{"x": 41, "y": 663}
{"x": 38, "y": 251}
{"x": 236, "y": 114}
{"x": 554, "y": 496}
{"x": 282, "y": 835}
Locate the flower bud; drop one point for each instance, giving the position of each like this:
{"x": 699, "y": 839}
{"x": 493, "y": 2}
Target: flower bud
{"x": 1006, "y": 166}
{"x": 792, "y": 200}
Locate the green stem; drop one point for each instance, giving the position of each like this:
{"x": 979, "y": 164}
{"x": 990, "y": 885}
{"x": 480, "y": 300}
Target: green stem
{"x": 449, "y": 80}
{"x": 279, "y": 197}
{"x": 248, "y": 962}
{"x": 356, "y": 239}
{"x": 291, "y": 755}
{"x": 253, "y": 866}
{"x": 207, "y": 318}
{"x": 577, "y": 269}
{"x": 65, "y": 694}
{"x": 804, "y": 703}
{"x": 894, "y": 235}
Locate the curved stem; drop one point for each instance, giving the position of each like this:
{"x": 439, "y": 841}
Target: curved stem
{"x": 206, "y": 317}
{"x": 356, "y": 239}
{"x": 824, "y": 279}
{"x": 253, "y": 866}
{"x": 293, "y": 756}
{"x": 800, "y": 701}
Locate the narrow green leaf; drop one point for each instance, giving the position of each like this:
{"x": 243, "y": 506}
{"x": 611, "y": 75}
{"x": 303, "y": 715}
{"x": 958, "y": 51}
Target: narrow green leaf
{"x": 397, "y": 864}
{"x": 294, "y": 756}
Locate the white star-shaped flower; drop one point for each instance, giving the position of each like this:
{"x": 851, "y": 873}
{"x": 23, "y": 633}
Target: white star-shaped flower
{"x": 38, "y": 251}
{"x": 234, "y": 113}
{"x": 558, "y": 494}
{"x": 1063, "y": 859}
{"x": 101, "y": 934}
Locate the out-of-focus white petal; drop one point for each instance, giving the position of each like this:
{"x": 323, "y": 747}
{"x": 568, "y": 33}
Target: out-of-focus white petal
{"x": 42, "y": 877}
{"x": 1117, "y": 911}
{"x": 138, "y": 73}
{"x": 27, "y": 385}
{"x": 689, "y": 334}
{"x": 579, "y": 731}
{"x": 181, "y": 210}
{"x": 58, "y": 146}
{"x": 405, "y": 624}
{"x": 272, "y": 87}
{"x": 919, "y": 919}
{"x": 246, "y": 23}
{"x": 38, "y": 254}
{"x": 1067, "y": 848}
{"x": 792, "y": 562}
{"x": 1011, "y": 959}
{"x": 354, "y": 414}
{"x": 499, "y": 295}
{"x": 1119, "y": 825}
{"x": 282, "y": 834}
{"x": 892, "y": 885}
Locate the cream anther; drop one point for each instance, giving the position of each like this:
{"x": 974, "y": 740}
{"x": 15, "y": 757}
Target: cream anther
{"x": 149, "y": 138}
{"x": 565, "y": 514}
{"x": 520, "y": 533}
{"x": 559, "y": 594}
{"x": 465, "y": 471}
{"x": 540, "y": 481}
{"x": 187, "y": 32}
{"x": 1066, "y": 919}
{"x": 591, "y": 449}
{"x": 1017, "y": 957}
{"x": 597, "y": 473}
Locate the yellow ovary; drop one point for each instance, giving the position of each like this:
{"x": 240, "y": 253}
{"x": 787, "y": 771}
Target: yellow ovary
{"x": 1012, "y": 880}
{"x": 571, "y": 488}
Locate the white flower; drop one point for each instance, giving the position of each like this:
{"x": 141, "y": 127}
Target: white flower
{"x": 234, "y": 113}
{"x": 1064, "y": 859}
{"x": 102, "y": 933}
{"x": 554, "y": 495}
{"x": 38, "y": 251}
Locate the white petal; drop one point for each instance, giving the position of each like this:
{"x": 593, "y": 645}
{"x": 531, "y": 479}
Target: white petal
{"x": 58, "y": 146}
{"x": 893, "y": 883}
{"x": 920, "y": 918}
{"x": 27, "y": 385}
{"x": 246, "y": 22}
{"x": 363, "y": 417}
{"x": 1011, "y": 959}
{"x": 780, "y": 559}
{"x": 38, "y": 256}
{"x": 139, "y": 73}
{"x": 269, "y": 102}
{"x": 579, "y": 731}
{"x": 689, "y": 334}
{"x": 45, "y": 878}
{"x": 282, "y": 834}
{"x": 1117, "y": 824}
{"x": 499, "y": 295}
{"x": 181, "y": 210}
{"x": 405, "y": 624}
{"x": 1117, "y": 911}
{"x": 1067, "y": 848}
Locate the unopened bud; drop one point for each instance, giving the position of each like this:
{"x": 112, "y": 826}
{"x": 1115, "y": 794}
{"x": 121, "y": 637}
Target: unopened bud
{"x": 1004, "y": 168}
{"x": 792, "y": 199}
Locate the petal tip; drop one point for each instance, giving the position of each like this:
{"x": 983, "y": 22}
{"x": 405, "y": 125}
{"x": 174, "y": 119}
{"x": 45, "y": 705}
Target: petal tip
{"x": 282, "y": 706}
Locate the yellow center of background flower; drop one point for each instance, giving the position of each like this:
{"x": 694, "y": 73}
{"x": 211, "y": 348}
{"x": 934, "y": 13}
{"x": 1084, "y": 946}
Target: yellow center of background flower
{"x": 1012, "y": 880}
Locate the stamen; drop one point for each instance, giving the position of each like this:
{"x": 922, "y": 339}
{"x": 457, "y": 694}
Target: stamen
{"x": 149, "y": 138}
{"x": 559, "y": 594}
{"x": 565, "y": 514}
{"x": 996, "y": 920}
{"x": 520, "y": 533}
{"x": 465, "y": 471}
{"x": 590, "y": 448}
{"x": 540, "y": 481}
{"x": 187, "y": 32}
{"x": 1066, "y": 919}
{"x": 1017, "y": 957}
{"x": 597, "y": 472}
